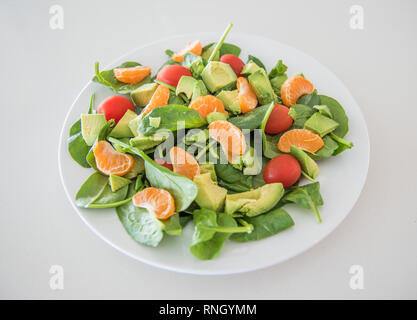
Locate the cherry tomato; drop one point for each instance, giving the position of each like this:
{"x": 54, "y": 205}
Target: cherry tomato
{"x": 172, "y": 74}
{"x": 234, "y": 61}
{"x": 165, "y": 164}
{"x": 115, "y": 107}
{"x": 279, "y": 120}
{"x": 283, "y": 168}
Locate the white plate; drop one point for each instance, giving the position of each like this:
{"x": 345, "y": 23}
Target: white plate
{"x": 341, "y": 178}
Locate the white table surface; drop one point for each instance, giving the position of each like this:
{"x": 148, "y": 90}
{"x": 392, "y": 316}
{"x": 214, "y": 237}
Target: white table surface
{"x": 42, "y": 71}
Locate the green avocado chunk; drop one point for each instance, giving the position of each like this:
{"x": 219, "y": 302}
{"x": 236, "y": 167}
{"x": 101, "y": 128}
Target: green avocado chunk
{"x": 199, "y": 90}
{"x": 142, "y": 95}
{"x": 217, "y": 75}
{"x": 117, "y": 182}
{"x": 147, "y": 142}
{"x": 256, "y": 201}
{"x": 230, "y": 100}
{"x": 186, "y": 85}
{"x": 208, "y": 168}
{"x": 259, "y": 81}
{"x": 308, "y": 165}
{"x": 320, "y": 124}
{"x": 214, "y": 116}
{"x": 122, "y": 130}
{"x": 210, "y": 195}
{"x": 91, "y": 125}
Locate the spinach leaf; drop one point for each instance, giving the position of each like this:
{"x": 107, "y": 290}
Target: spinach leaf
{"x": 108, "y": 79}
{"x": 184, "y": 219}
{"x": 270, "y": 145}
{"x": 140, "y": 224}
{"x": 172, "y": 226}
{"x": 265, "y": 225}
{"x": 110, "y": 199}
{"x": 174, "y": 99}
{"x": 77, "y": 147}
{"x": 171, "y": 118}
{"x": 279, "y": 70}
{"x": 327, "y": 150}
{"x": 257, "y": 61}
{"x": 266, "y": 148}
{"x": 228, "y": 48}
{"x": 169, "y": 53}
{"x": 232, "y": 178}
{"x": 258, "y": 180}
{"x": 182, "y": 189}
{"x": 251, "y": 120}
{"x": 194, "y": 63}
{"x": 310, "y": 100}
{"x": 338, "y": 113}
{"x": 102, "y": 135}
{"x": 307, "y": 196}
{"x": 342, "y": 144}
{"x": 300, "y": 113}
{"x": 211, "y": 231}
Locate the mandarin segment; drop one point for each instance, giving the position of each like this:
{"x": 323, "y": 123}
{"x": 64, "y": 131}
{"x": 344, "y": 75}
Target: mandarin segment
{"x": 184, "y": 163}
{"x": 158, "y": 201}
{"x": 229, "y": 136}
{"x": 192, "y": 46}
{"x": 110, "y": 161}
{"x": 294, "y": 88}
{"x": 247, "y": 96}
{"x": 208, "y": 104}
{"x": 159, "y": 99}
{"x": 301, "y": 138}
{"x": 132, "y": 75}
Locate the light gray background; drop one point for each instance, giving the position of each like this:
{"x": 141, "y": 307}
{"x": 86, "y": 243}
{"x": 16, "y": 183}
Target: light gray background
{"x": 43, "y": 70}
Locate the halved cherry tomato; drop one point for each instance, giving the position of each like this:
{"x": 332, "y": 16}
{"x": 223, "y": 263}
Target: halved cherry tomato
{"x": 115, "y": 107}
{"x": 165, "y": 164}
{"x": 234, "y": 61}
{"x": 279, "y": 120}
{"x": 283, "y": 168}
{"x": 172, "y": 74}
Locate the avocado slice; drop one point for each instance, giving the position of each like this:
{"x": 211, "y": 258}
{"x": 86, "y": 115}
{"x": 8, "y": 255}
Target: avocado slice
{"x": 324, "y": 110}
{"x": 214, "y": 116}
{"x": 259, "y": 81}
{"x": 117, "y": 182}
{"x": 138, "y": 167}
{"x": 122, "y": 130}
{"x": 208, "y": 168}
{"x": 91, "y": 125}
{"x": 230, "y": 100}
{"x": 210, "y": 195}
{"x": 217, "y": 75}
{"x": 250, "y": 68}
{"x": 308, "y": 165}
{"x": 199, "y": 90}
{"x": 147, "y": 142}
{"x": 320, "y": 124}
{"x": 186, "y": 85}
{"x": 142, "y": 95}
{"x": 256, "y": 201}
{"x": 134, "y": 124}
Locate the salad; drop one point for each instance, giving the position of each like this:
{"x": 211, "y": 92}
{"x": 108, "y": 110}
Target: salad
{"x": 207, "y": 140}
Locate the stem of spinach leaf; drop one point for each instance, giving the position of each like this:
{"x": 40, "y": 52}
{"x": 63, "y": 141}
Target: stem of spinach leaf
{"x": 313, "y": 206}
{"x": 98, "y": 75}
{"x": 109, "y": 205}
{"x": 220, "y": 42}
{"x": 90, "y": 110}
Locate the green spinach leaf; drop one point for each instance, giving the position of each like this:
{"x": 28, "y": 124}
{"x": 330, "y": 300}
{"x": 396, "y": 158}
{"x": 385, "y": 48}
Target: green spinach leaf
{"x": 279, "y": 70}
{"x": 311, "y": 99}
{"x": 172, "y": 116}
{"x": 265, "y": 225}
{"x": 330, "y": 146}
{"x": 257, "y": 61}
{"x": 172, "y": 226}
{"x": 342, "y": 144}
{"x": 252, "y": 119}
{"x": 232, "y": 178}
{"x": 338, "y": 113}
{"x": 300, "y": 113}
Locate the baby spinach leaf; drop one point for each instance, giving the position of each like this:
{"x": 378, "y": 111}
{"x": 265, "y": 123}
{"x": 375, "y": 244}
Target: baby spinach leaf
{"x": 172, "y": 116}
{"x": 110, "y": 199}
{"x": 174, "y": 99}
{"x": 300, "y": 113}
{"x": 327, "y": 150}
{"x": 77, "y": 147}
{"x": 252, "y": 119}
{"x": 257, "y": 61}
{"x": 310, "y": 100}
{"x": 182, "y": 189}
{"x": 172, "y": 226}
{"x": 270, "y": 145}
{"x": 266, "y": 147}
{"x": 232, "y": 178}
{"x": 91, "y": 189}
{"x": 169, "y": 52}
{"x": 342, "y": 144}
{"x": 102, "y": 135}
{"x": 338, "y": 113}
{"x": 279, "y": 70}
{"x": 258, "y": 180}
{"x": 184, "y": 219}
{"x": 108, "y": 79}
{"x": 265, "y": 225}
{"x": 307, "y": 196}
{"x": 211, "y": 231}
{"x": 141, "y": 224}
{"x": 228, "y": 48}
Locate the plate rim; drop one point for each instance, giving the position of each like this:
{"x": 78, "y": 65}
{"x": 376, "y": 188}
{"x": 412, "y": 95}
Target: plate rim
{"x": 189, "y": 270}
